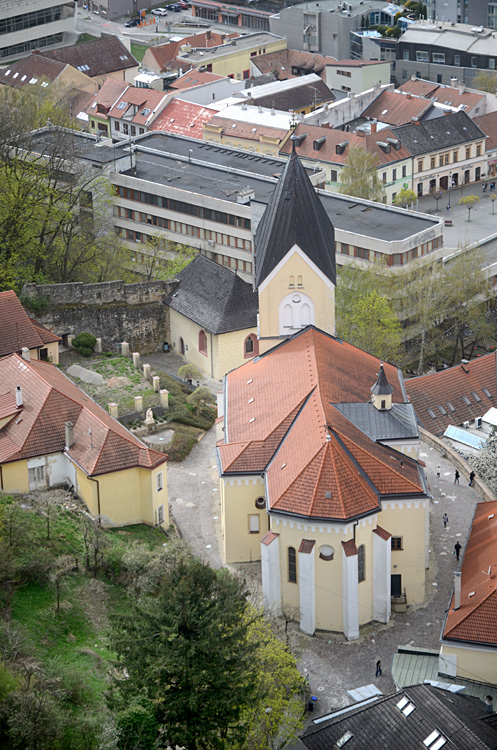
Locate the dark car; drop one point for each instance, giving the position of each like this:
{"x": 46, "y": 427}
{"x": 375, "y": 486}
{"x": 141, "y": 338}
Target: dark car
{"x": 133, "y": 22}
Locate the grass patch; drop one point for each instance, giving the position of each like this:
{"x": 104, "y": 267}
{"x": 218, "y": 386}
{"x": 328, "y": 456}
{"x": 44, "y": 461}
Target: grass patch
{"x": 138, "y": 51}
{"x": 86, "y": 38}
{"x": 148, "y": 535}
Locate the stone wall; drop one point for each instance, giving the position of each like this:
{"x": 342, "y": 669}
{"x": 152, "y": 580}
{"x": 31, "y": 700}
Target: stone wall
{"x": 113, "y": 311}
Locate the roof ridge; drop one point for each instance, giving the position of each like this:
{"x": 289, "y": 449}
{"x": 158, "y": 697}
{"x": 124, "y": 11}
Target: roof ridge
{"x": 318, "y": 478}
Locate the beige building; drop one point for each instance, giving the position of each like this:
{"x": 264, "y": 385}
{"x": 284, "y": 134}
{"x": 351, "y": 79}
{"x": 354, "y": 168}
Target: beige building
{"x": 19, "y": 333}
{"x": 469, "y": 637}
{"x": 356, "y": 76}
{"x": 213, "y": 317}
{"x": 318, "y": 445}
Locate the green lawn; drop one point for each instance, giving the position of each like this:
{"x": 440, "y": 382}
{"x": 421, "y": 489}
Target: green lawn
{"x": 138, "y": 51}
{"x": 85, "y": 38}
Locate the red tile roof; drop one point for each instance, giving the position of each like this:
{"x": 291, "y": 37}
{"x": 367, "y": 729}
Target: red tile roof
{"x": 8, "y": 405}
{"x": 164, "y": 54}
{"x": 475, "y": 620}
{"x": 488, "y": 124}
{"x": 451, "y": 95}
{"x": 106, "y": 97}
{"x": 183, "y": 118}
{"x": 280, "y": 418}
{"x": 247, "y": 130}
{"x": 101, "y": 444}
{"x": 448, "y": 387}
{"x": 419, "y": 87}
{"x": 17, "y": 329}
{"x": 327, "y": 150}
{"x": 21, "y": 73}
{"x": 99, "y": 57}
{"x": 137, "y": 105}
{"x": 396, "y": 109}
{"x": 283, "y": 61}
{"x": 194, "y": 78}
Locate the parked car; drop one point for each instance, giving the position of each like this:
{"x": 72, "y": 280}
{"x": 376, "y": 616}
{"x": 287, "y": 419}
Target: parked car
{"x": 133, "y": 22}
{"x": 159, "y": 12}
{"x": 184, "y": 5}
{"x": 176, "y": 8}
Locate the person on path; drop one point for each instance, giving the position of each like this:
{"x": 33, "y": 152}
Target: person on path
{"x": 378, "y": 669}
{"x": 484, "y": 187}
{"x": 457, "y": 550}
{"x": 471, "y": 478}
{"x": 456, "y": 477}
{"x": 447, "y": 207}
{"x": 438, "y": 471}
{"x": 445, "y": 520}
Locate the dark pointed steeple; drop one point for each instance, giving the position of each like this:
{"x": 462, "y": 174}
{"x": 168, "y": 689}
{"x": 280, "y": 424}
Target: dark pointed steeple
{"x": 382, "y": 387}
{"x": 294, "y": 216}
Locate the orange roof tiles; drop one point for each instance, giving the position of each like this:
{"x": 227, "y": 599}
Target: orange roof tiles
{"x": 194, "y": 78}
{"x": 488, "y": 124}
{"x": 446, "y": 389}
{"x": 280, "y": 418}
{"x": 111, "y": 91}
{"x": 475, "y": 620}
{"x": 8, "y": 405}
{"x": 396, "y": 109}
{"x": 183, "y": 118}
{"x": 247, "y": 130}
{"x": 327, "y": 150}
{"x": 419, "y": 87}
{"x": 282, "y": 62}
{"x": 451, "y": 95}
{"x": 17, "y": 329}
{"x": 137, "y": 105}
{"x": 101, "y": 444}
{"x": 164, "y": 54}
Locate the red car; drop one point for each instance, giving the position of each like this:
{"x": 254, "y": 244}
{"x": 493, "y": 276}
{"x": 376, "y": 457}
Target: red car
{"x": 184, "y": 5}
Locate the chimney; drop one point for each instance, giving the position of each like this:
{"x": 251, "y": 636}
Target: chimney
{"x": 69, "y": 435}
{"x": 208, "y": 34}
{"x": 374, "y": 127}
{"x": 457, "y": 590}
{"x": 409, "y": 95}
{"x": 19, "y": 401}
{"x": 453, "y": 82}
{"x": 462, "y": 88}
{"x": 25, "y": 354}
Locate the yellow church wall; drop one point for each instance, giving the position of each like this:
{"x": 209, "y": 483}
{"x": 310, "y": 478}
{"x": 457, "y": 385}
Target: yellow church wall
{"x": 409, "y": 525}
{"x": 272, "y": 292}
{"x": 229, "y": 351}
{"x": 238, "y": 496}
{"x": 473, "y": 663}
{"x": 15, "y": 477}
{"x": 87, "y": 491}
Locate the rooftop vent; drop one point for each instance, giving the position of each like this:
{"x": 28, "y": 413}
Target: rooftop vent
{"x": 19, "y": 401}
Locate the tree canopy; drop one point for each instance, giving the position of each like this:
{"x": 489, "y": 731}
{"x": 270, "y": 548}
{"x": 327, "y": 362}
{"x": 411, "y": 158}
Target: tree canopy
{"x": 359, "y": 177}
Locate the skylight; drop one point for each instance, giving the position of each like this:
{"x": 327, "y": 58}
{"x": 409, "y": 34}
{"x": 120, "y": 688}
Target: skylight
{"x": 441, "y": 409}
{"x": 33, "y": 80}
{"x": 344, "y": 739}
{"x": 7, "y": 72}
{"x": 122, "y": 105}
{"x": 466, "y": 400}
{"x": 435, "y": 740}
{"x": 15, "y": 75}
{"x": 44, "y": 84}
{"x": 431, "y": 413}
{"x": 475, "y": 396}
{"x": 405, "y": 706}
{"x": 249, "y": 381}
{"x": 449, "y": 406}
{"x": 487, "y": 392}
{"x": 251, "y": 400}
{"x": 146, "y": 111}
{"x": 23, "y": 78}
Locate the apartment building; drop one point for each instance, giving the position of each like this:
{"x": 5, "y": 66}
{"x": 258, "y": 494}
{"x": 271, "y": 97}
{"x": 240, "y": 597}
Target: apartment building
{"x": 26, "y": 25}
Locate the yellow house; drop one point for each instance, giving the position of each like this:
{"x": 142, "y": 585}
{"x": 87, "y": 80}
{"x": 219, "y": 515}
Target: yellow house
{"x": 469, "y": 637}
{"x": 213, "y": 317}
{"x": 19, "y": 332}
{"x": 318, "y": 444}
{"x": 52, "y": 433}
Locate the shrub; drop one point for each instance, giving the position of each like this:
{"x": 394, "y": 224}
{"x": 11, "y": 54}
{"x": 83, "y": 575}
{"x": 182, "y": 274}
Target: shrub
{"x": 37, "y": 305}
{"x": 181, "y": 444}
{"x": 84, "y": 342}
{"x": 170, "y": 384}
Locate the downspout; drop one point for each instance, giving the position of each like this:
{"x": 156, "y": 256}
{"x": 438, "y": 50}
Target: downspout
{"x": 212, "y": 357}
{"x": 98, "y": 498}
{"x": 1, "y": 478}
{"x": 354, "y": 528}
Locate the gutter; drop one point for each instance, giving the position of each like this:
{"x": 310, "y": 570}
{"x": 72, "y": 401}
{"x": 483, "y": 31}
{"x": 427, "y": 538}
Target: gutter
{"x": 98, "y": 498}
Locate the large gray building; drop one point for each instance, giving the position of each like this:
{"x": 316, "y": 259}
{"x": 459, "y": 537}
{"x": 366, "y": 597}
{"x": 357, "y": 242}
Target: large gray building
{"x": 440, "y": 52}
{"x": 26, "y": 25}
{"x": 473, "y": 12}
{"x": 323, "y": 27}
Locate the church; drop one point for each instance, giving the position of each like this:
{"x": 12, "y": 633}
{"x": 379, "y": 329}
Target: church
{"x": 318, "y": 443}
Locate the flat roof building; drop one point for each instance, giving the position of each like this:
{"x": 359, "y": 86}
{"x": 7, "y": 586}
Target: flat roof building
{"x": 26, "y": 25}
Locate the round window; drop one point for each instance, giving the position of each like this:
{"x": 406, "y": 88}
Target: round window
{"x": 296, "y": 298}
{"x": 326, "y": 552}
{"x": 260, "y": 503}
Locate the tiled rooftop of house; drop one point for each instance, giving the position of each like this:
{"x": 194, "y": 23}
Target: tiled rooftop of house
{"x": 96, "y": 58}
{"x": 455, "y": 395}
{"x": 30, "y": 71}
{"x": 194, "y": 78}
{"x": 163, "y": 54}
{"x": 488, "y": 124}
{"x": 183, "y": 118}
{"x": 17, "y": 330}
{"x": 284, "y": 62}
{"x": 325, "y": 467}
{"x": 101, "y": 444}
{"x": 138, "y": 105}
{"x": 396, "y": 109}
{"x": 475, "y": 620}
{"x": 110, "y": 92}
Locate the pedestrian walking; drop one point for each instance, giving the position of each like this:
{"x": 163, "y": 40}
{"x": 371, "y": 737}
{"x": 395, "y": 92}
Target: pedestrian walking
{"x": 445, "y": 520}
{"x": 484, "y": 187}
{"x": 471, "y": 478}
{"x": 378, "y": 669}
{"x": 456, "y": 477}
{"x": 438, "y": 471}
{"x": 447, "y": 207}
{"x": 457, "y": 550}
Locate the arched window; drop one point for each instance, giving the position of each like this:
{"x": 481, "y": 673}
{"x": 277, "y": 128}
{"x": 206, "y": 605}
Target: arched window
{"x": 296, "y": 311}
{"x": 299, "y": 280}
{"x": 202, "y": 343}
{"x": 250, "y": 346}
{"x": 291, "y": 281}
{"x": 292, "y": 565}
{"x": 361, "y": 563}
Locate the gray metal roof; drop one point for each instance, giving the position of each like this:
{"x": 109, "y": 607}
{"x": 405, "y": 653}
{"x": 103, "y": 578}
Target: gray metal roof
{"x": 214, "y": 297}
{"x": 382, "y": 724}
{"x": 294, "y": 216}
{"x": 431, "y": 135}
{"x": 395, "y": 423}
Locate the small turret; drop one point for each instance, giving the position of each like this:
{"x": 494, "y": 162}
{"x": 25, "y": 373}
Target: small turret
{"x": 381, "y": 392}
